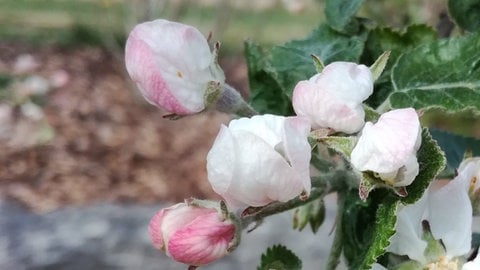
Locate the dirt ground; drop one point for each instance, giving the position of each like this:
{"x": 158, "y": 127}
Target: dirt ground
{"x": 106, "y": 143}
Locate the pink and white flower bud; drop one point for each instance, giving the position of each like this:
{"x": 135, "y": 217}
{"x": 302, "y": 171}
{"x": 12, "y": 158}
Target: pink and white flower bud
{"x": 191, "y": 234}
{"x": 389, "y": 147}
{"x": 259, "y": 160}
{"x": 171, "y": 63}
{"x": 333, "y": 98}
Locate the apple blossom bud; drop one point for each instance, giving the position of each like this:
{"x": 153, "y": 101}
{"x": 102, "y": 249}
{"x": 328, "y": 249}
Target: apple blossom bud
{"x": 333, "y": 98}
{"x": 259, "y": 160}
{"x": 389, "y": 147}
{"x": 192, "y": 234}
{"x": 172, "y": 65}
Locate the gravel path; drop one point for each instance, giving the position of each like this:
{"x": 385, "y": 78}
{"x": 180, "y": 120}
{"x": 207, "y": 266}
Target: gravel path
{"x": 113, "y": 236}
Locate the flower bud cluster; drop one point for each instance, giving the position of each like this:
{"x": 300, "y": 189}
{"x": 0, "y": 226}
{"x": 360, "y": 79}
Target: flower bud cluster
{"x": 263, "y": 159}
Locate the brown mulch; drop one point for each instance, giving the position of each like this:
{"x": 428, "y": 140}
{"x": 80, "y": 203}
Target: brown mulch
{"x": 108, "y": 144}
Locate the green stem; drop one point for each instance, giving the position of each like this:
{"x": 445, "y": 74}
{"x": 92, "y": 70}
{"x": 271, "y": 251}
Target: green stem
{"x": 337, "y": 247}
{"x": 245, "y": 110}
{"x": 230, "y": 101}
{"x": 278, "y": 207}
{"x": 322, "y": 185}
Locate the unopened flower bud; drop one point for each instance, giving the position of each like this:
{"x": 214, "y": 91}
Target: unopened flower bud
{"x": 172, "y": 65}
{"x": 333, "y": 98}
{"x": 389, "y": 147}
{"x": 259, "y": 160}
{"x": 192, "y": 234}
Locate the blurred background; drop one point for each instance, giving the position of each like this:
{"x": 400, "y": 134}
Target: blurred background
{"x": 85, "y": 162}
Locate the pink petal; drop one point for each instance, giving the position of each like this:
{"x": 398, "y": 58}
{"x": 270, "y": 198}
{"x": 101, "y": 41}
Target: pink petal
{"x": 202, "y": 241}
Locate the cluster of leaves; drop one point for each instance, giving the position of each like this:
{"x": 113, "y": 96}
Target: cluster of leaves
{"x": 424, "y": 72}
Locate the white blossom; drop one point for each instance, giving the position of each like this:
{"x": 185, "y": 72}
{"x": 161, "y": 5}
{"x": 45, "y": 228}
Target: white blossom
{"x": 258, "y": 160}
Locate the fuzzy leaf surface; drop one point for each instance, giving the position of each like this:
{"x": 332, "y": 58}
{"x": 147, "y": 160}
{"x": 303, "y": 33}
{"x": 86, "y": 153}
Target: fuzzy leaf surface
{"x": 443, "y": 74}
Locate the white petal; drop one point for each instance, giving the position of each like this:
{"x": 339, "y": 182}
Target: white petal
{"x": 262, "y": 175}
{"x": 470, "y": 169}
{"x": 268, "y": 127}
{"x": 325, "y": 110}
{"x": 408, "y": 172}
{"x": 221, "y": 161}
{"x": 450, "y": 218}
{"x": 347, "y": 81}
{"x": 297, "y": 148}
{"x": 472, "y": 265}
{"x": 407, "y": 238}
{"x": 387, "y": 145}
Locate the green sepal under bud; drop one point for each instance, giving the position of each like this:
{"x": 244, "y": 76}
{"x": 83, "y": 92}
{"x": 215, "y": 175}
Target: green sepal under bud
{"x": 369, "y": 182}
{"x": 317, "y": 62}
{"x": 212, "y": 93}
{"x": 343, "y": 145}
{"x": 312, "y": 213}
{"x": 379, "y": 65}
{"x": 408, "y": 265}
{"x": 435, "y": 248}
{"x": 371, "y": 115}
{"x": 215, "y": 68}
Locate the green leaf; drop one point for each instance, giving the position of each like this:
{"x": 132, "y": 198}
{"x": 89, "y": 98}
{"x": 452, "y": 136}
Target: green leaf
{"x": 443, "y": 74}
{"x": 274, "y": 73}
{"x": 266, "y": 94}
{"x": 465, "y": 13}
{"x": 431, "y": 160}
{"x": 387, "y": 39}
{"x": 367, "y": 227}
{"x": 340, "y": 14}
{"x": 279, "y": 257}
{"x": 455, "y": 146}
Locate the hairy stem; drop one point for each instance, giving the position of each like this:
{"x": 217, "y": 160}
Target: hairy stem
{"x": 336, "y": 250}
{"x": 230, "y": 101}
{"x": 278, "y": 207}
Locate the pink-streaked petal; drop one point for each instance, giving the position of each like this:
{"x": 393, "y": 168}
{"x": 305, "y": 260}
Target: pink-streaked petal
{"x": 155, "y": 230}
{"x": 201, "y": 241}
{"x": 325, "y": 110}
{"x": 140, "y": 63}
{"x": 177, "y": 216}
{"x": 170, "y": 62}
